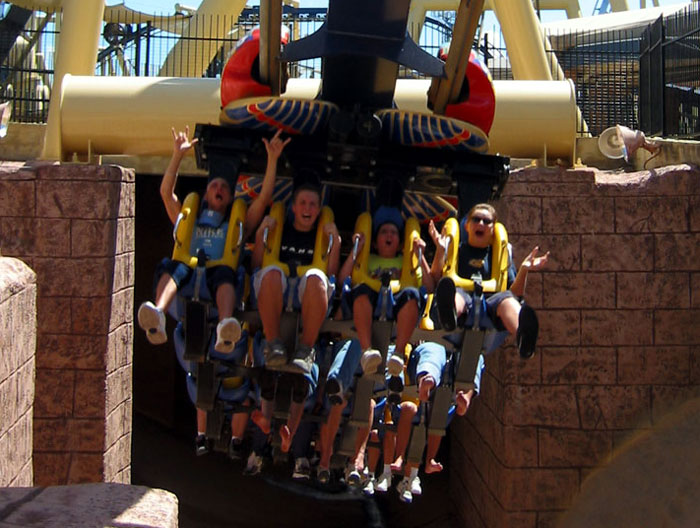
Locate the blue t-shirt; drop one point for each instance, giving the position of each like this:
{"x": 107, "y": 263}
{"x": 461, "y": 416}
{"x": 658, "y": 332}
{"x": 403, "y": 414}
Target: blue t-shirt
{"x": 209, "y": 234}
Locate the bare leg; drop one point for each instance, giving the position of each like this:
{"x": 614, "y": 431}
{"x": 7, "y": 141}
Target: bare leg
{"x": 431, "y": 465}
{"x": 262, "y": 417}
{"x": 361, "y": 442}
{"x": 201, "y": 421}
{"x": 460, "y": 305}
{"x": 288, "y": 431}
{"x": 406, "y": 321}
{"x": 165, "y": 292}
{"x": 403, "y": 433}
{"x": 389, "y": 446}
{"x": 270, "y": 304}
{"x": 425, "y": 385}
{"x": 225, "y": 300}
{"x": 239, "y": 421}
{"x": 373, "y": 452}
{"x": 314, "y": 307}
{"x": 362, "y": 317}
{"x": 328, "y": 432}
{"x": 508, "y": 312}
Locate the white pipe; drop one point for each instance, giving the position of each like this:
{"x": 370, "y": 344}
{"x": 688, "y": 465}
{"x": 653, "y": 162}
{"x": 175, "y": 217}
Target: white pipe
{"x": 81, "y": 23}
{"x": 133, "y": 115}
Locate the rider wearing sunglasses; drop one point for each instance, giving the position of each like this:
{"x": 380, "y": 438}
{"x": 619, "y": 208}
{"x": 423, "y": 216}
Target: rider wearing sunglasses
{"x": 505, "y": 309}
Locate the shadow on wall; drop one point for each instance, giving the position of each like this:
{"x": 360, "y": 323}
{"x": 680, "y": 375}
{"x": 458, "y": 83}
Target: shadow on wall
{"x": 652, "y": 481}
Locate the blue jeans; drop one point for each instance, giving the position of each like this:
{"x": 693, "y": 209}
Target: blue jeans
{"x": 346, "y": 362}
{"x": 427, "y": 359}
{"x": 430, "y": 359}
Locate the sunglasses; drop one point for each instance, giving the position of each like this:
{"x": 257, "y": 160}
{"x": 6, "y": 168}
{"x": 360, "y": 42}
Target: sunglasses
{"x": 481, "y": 220}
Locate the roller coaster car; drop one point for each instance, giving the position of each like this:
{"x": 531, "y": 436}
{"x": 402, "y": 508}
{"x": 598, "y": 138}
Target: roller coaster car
{"x": 352, "y": 131}
{"x": 195, "y": 310}
{"x": 272, "y": 239}
{"x": 478, "y": 334}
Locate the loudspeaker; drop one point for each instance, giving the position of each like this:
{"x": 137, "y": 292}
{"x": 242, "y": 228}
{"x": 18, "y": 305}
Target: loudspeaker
{"x": 5, "y": 112}
{"x": 609, "y": 144}
{"x": 622, "y": 142}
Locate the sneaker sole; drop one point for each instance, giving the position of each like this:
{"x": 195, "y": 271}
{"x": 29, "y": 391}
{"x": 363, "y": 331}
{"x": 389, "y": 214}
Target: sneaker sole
{"x": 528, "y": 328}
{"x": 301, "y": 366}
{"x": 445, "y": 298}
{"x": 354, "y": 480}
{"x": 275, "y": 358}
{"x": 227, "y": 337}
{"x": 395, "y": 384}
{"x": 394, "y": 398}
{"x": 394, "y": 366}
{"x": 371, "y": 364}
{"x": 149, "y": 321}
{"x": 333, "y": 391}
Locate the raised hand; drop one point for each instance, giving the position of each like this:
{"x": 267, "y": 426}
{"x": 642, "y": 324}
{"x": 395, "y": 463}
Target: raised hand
{"x": 276, "y": 145}
{"x": 532, "y": 262}
{"x": 182, "y": 142}
{"x": 439, "y": 239}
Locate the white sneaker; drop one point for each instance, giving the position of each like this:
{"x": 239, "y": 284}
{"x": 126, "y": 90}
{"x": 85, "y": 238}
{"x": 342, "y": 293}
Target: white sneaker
{"x": 370, "y": 361}
{"x": 415, "y": 485}
{"x": 254, "y": 464}
{"x": 228, "y": 332}
{"x": 152, "y": 320}
{"x": 353, "y": 478}
{"x": 369, "y": 487}
{"x": 394, "y": 365}
{"x": 302, "y": 469}
{"x": 383, "y": 483}
{"x": 404, "y": 489}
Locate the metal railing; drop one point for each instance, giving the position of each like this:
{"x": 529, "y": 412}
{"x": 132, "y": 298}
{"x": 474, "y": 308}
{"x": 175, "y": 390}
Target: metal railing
{"x": 670, "y": 76}
{"x": 611, "y": 86}
{"x": 603, "y": 65}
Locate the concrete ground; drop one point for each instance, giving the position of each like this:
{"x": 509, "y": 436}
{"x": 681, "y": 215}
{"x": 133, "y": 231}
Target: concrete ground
{"x": 213, "y": 493}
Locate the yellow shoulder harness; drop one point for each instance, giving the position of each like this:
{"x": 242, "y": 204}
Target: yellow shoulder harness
{"x": 271, "y": 255}
{"x": 498, "y": 281}
{"x": 409, "y": 267}
{"x": 184, "y": 227}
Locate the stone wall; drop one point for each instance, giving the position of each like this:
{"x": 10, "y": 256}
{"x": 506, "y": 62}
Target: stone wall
{"x": 73, "y": 224}
{"x": 17, "y": 347}
{"x": 619, "y": 344}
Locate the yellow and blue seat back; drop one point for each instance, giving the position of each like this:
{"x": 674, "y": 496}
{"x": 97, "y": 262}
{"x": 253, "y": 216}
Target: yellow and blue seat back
{"x": 184, "y": 229}
{"x": 271, "y": 256}
{"x": 409, "y": 268}
{"x": 498, "y": 281}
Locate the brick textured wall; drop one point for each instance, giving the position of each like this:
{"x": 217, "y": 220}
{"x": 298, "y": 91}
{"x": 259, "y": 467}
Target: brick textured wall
{"x": 619, "y": 305}
{"x": 17, "y": 348}
{"x": 73, "y": 224}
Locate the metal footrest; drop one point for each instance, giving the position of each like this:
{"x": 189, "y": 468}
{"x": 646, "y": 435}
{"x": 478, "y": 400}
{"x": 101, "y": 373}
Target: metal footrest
{"x": 472, "y": 345}
{"x": 346, "y": 444}
{"x": 206, "y": 386}
{"x": 416, "y": 446}
{"x": 364, "y": 389}
{"x": 196, "y": 331}
{"x": 439, "y": 413}
{"x": 215, "y": 421}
